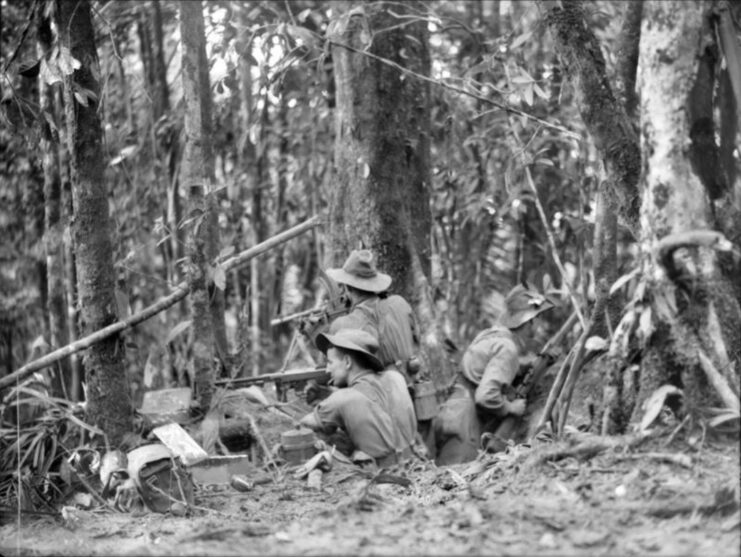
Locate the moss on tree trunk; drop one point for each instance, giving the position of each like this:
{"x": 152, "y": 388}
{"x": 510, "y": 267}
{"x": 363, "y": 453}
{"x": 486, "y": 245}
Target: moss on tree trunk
{"x": 108, "y": 398}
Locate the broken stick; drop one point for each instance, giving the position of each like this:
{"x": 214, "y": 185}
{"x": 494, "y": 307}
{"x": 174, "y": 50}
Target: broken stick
{"x": 180, "y": 291}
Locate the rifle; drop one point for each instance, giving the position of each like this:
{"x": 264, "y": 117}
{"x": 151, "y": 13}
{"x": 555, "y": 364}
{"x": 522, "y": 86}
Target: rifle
{"x": 316, "y": 320}
{"x": 283, "y": 380}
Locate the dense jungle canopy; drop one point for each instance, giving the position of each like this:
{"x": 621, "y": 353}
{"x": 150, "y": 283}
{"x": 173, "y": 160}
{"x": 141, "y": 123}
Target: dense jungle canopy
{"x": 588, "y": 149}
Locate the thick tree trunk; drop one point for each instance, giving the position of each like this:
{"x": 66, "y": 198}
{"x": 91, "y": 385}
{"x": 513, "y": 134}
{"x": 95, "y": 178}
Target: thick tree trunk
{"x": 605, "y": 118}
{"x": 382, "y": 142}
{"x": 690, "y": 315}
{"x": 108, "y": 399}
{"x": 382, "y": 132}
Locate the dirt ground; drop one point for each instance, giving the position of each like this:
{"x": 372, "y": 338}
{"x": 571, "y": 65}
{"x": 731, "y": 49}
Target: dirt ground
{"x": 648, "y": 500}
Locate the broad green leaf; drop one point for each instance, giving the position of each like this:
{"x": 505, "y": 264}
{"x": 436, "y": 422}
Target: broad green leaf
{"x": 655, "y": 403}
{"x": 477, "y": 68}
{"x": 67, "y": 63}
{"x": 520, "y": 40}
{"x": 665, "y": 303}
{"x": 645, "y": 324}
{"x": 50, "y": 73}
{"x": 528, "y": 93}
{"x": 226, "y": 252}
{"x": 723, "y": 418}
{"x": 623, "y": 280}
{"x": 219, "y": 277}
{"x": 538, "y": 91}
{"x": 302, "y": 34}
{"x": 177, "y": 330}
{"x": 595, "y": 344}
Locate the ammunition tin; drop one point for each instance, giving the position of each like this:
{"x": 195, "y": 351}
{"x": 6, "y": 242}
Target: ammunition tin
{"x": 297, "y": 445}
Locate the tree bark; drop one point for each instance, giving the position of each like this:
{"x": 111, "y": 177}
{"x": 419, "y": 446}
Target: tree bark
{"x": 676, "y": 218}
{"x": 382, "y": 133}
{"x": 56, "y": 301}
{"x": 605, "y": 118}
{"x": 382, "y": 144}
{"x": 627, "y": 55}
{"x": 196, "y": 176}
{"x": 108, "y": 399}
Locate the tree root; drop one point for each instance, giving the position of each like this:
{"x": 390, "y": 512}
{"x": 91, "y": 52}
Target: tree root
{"x": 592, "y": 445}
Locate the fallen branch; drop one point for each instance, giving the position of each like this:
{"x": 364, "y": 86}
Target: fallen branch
{"x": 669, "y": 509}
{"x": 255, "y": 430}
{"x": 180, "y": 291}
{"x": 679, "y": 459}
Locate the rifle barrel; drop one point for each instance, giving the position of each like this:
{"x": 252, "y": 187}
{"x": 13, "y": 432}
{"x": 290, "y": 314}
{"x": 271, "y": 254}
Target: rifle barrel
{"x": 290, "y": 317}
{"x": 291, "y": 376}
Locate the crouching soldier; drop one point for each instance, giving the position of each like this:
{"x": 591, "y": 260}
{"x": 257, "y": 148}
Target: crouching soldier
{"x": 478, "y": 403}
{"x": 374, "y": 410}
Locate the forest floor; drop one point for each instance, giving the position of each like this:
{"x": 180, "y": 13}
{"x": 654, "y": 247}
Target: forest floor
{"x": 673, "y": 493}
{"x": 647, "y": 500}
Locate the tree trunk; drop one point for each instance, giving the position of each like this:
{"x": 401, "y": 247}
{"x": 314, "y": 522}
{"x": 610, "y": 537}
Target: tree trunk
{"x": 382, "y": 130}
{"x": 627, "y": 56}
{"x": 247, "y": 163}
{"x": 70, "y": 266}
{"x": 207, "y": 305}
{"x": 605, "y": 118}
{"x": 703, "y": 319}
{"x": 56, "y": 302}
{"x": 108, "y": 398}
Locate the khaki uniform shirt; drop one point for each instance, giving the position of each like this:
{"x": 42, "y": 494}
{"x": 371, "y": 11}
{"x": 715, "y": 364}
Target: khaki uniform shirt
{"x": 363, "y": 410}
{"x": 401, "y": 406}
{"x": 490, "y": 362}
{"x": 391, "y": 320}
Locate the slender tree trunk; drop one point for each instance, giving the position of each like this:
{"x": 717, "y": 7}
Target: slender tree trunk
{"x": 56, "y": 305}
{"x": 70, "y": 266}
{"x": 246, "y": 157}
{"x": 627, "y": 56}
{"x": 108, "y": 398}
{"x": 196, "y": 176}
{"x": 159, "y": 69}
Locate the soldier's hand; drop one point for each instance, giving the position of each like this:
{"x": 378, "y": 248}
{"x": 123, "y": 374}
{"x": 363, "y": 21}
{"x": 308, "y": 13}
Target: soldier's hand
{"x": 315, "y": 392}
{"x": 516, "y": 407}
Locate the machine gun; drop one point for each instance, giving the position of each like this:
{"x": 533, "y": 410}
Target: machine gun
{"x": 283, "y": 380}
{"x": 316, "y": 320}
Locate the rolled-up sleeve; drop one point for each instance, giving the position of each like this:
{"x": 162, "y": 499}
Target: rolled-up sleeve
{"x": 500, "y": 370}
{"x": 328, "y": 413}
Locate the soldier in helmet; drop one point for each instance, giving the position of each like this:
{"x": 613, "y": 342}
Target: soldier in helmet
{"x": 489, "y": 365}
